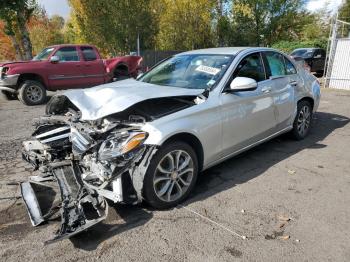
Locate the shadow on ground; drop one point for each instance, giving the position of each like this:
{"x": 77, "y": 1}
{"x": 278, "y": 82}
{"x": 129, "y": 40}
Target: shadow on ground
{"x": 226, "y": 175}
{"x": 256, "y": 161}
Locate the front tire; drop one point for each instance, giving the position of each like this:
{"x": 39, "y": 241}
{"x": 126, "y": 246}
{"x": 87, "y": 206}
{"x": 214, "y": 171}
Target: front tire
{"x": 32, "y": 93}
{"x": 302, "y": 122}
{"x": 171, "y": 175}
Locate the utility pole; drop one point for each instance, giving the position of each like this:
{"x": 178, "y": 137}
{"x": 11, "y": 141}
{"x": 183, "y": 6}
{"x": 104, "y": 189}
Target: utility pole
{"x": 138, "y": 44}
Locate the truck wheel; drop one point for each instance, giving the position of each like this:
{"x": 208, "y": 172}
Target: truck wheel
{"x": 32, "y": 93}
{"x": 7, "y": 95}
{"x": 171, "y": 175}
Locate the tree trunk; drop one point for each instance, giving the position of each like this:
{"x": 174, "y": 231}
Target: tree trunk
{"x": 25, "y": 40}
{"x": 220, "y": 13}
{"x": 15, "y": 44}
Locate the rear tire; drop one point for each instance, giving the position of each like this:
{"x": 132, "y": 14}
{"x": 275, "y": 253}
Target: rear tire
{"x": 171, "y": 175}
{"x": 302, "y": 122}
{"x": 32, "y": 92}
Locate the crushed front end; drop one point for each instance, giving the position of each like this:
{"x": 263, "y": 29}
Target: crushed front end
{"x": 82, "y": 164}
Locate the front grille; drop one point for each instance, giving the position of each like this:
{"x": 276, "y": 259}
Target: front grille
{"x": 54, "y": 134}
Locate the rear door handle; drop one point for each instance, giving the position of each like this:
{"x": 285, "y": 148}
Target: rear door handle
{"x": 293, "y": 83}
{"x": 266, "y": 89}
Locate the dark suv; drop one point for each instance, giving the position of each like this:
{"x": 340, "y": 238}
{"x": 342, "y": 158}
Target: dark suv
{"x": 314, "y": 57}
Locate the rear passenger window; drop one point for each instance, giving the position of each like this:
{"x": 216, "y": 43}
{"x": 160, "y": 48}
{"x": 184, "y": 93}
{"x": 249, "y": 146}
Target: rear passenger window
{"x": 252, "y": 67}
{"x": 67, "y": 54}
{"x": 276, "y": 63}
{"x": 290, "y": 69}
{"x": 88, "y": 53}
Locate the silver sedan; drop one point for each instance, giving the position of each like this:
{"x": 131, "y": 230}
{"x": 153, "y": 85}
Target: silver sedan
{"x": 149, "y": 138}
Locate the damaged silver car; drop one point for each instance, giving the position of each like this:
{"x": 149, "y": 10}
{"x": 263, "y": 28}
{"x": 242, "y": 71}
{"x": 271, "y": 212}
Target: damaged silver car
{"x": 147, "y": 139}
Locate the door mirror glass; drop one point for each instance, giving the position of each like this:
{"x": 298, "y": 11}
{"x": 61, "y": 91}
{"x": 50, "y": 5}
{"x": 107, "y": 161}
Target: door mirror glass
{"x": 243, "y": 84}
{"x": 54, "y": 59}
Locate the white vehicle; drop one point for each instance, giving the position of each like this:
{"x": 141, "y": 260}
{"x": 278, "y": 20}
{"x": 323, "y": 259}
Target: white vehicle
{"x": 148, "y": 139}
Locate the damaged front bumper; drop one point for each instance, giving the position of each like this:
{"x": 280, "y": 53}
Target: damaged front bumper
{"x": 80, "y": 207}
{"x": 65, "y": 187}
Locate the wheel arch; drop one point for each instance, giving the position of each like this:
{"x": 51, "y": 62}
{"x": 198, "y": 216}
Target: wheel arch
{"x": 308, "y": 99}
{"x": 31, "y": 76}
{"x": 123, "y": 67}
{"x": 192, "y": 141}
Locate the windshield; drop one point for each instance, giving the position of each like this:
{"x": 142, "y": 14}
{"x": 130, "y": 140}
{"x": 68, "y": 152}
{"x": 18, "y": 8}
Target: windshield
{"x": 302, "y": 53}
{"x": 189, "y": 71}
{"x": 43, "y": 55}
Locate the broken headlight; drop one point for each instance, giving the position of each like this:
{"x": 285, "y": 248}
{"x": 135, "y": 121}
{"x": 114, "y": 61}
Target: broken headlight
{"x": 117, "y": 146}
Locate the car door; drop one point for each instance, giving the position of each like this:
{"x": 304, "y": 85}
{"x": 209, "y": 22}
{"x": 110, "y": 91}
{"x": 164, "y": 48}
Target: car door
{"x": 247, "y": 116}
{"x": 66, "y": 73}
{"x": 92, "y": 67}
{"x": 284, "y": 80}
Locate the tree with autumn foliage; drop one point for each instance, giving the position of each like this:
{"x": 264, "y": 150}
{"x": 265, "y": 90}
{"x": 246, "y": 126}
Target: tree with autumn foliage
{"x": 45, "y": 31}
{"x": 15, "y": 15}
{"x": 112, "y": 25}
{"x": 185, "y": 25}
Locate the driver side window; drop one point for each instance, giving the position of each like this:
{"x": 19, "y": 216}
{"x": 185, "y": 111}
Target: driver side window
{"x": 252, "y": 67}
{"x": 68, "y": 54}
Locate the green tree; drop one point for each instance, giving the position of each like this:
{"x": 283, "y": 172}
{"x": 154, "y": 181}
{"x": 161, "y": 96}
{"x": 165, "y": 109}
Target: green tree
{"x": 263, "y": 22}
{"x": 112, "y": 25}
{"x": 344, "y": 11}
{"x": 185, "y": 25}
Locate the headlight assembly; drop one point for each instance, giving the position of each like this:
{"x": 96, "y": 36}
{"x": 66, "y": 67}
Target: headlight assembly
{"x": 114, "y": 147}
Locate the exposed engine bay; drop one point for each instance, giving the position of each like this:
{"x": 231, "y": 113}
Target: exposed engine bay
{"x": 87, "y": 162}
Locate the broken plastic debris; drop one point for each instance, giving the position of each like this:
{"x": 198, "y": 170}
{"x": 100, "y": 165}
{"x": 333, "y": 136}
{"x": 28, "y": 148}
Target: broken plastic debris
{"x": 297, "y": 240}
{"x": 291, "y": 172}
{"x": 285, "y": 237}
{"x": 284, "y": 218}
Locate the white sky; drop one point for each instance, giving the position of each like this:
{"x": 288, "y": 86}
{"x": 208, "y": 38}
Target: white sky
{"x": 56, "y": 7}
{"x": 62, "y": 8}
{"x": 314, "y": 5}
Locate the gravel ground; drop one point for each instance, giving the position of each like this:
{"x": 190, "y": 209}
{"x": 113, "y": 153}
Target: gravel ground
{"x": 290, "y": 199}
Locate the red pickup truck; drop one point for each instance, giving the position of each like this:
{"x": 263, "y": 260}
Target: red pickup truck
{"x": 62, "y": 67}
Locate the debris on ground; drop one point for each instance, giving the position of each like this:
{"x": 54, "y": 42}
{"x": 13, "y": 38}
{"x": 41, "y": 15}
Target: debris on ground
{"x": 285, "y": 237}
{"x": 291, "y": 172}
{"x": 284, "y": 218}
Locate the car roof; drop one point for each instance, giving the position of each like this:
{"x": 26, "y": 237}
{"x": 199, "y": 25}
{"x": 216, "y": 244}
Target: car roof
{"x": 307, "y": 48}
{"x": 224, "y": 50}
{"x": 69, "y": 45}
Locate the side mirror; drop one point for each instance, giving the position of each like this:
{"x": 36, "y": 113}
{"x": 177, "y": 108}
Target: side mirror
{"x": 54, "y": 59}
{"x": 243, "y": 84}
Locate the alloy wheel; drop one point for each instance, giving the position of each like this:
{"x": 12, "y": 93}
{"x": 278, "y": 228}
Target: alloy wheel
{"x": 34, "y": 93}
{"x": 173, "y": 175}
{"x": 304, "y": 119}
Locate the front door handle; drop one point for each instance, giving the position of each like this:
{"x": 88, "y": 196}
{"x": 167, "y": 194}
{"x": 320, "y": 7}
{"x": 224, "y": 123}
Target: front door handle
{"x": 266, "y": 89}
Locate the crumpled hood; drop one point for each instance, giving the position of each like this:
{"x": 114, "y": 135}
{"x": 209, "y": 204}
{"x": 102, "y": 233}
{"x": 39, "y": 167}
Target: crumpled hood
{"x": 104, "y": 100}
